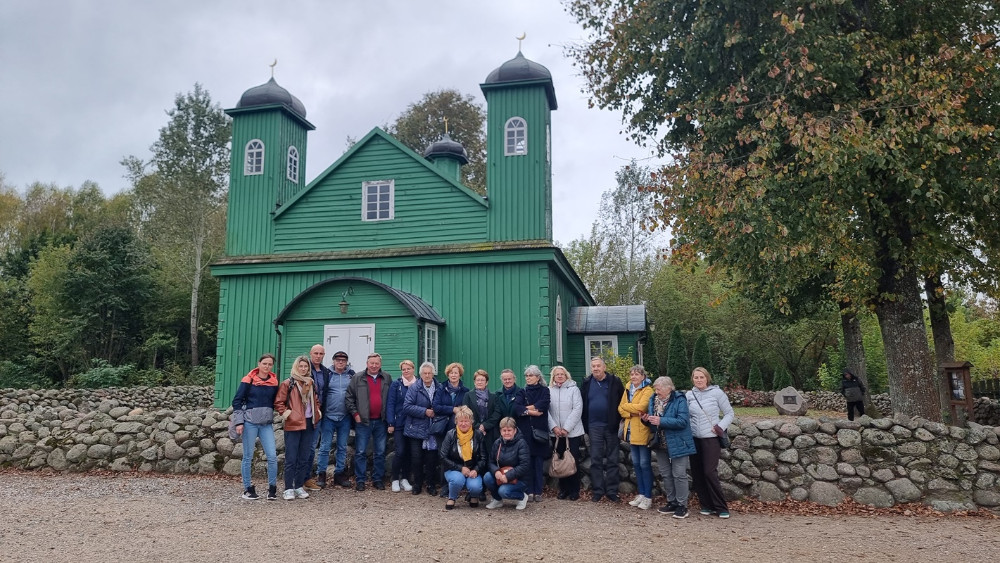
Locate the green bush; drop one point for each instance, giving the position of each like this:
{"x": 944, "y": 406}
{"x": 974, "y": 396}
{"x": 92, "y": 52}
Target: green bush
{"x": 20, "y": 376}
{"x": 102, "y": 374}
{"x": 145, "y": 377}
{"x": 781, "y": 379}
{"x": 755, "y": 382}
{"x": 619, "y": 366}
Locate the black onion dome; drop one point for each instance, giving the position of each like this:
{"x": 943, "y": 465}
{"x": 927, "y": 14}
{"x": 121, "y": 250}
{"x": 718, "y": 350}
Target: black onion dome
{"x": 268, "y": 94}
{"x": 448, "y": 148}
{"x": 517, "y": 70}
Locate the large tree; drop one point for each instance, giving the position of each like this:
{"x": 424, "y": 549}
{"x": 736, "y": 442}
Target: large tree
{"x": 834, "y": 135}
{"x": 620, "y": 257}
{"x": 423, "y": 123}
{"x": 181, "y": 193}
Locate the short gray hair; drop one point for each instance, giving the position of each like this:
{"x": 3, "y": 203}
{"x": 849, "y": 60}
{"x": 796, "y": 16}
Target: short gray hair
{"x": 429, "y": 365}
{"x": 664, "y": 382}
{"x": 533, "y": 370}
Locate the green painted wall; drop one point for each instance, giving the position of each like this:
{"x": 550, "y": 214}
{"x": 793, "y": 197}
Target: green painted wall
{"x": 497, "y": 313}
{"x": 253, "y": 199}
{"x": 519, "y": 187}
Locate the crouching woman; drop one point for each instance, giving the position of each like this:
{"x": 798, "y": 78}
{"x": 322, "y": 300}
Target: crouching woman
{"x": 462, "y": 459}
{"x": 509, "y": 461}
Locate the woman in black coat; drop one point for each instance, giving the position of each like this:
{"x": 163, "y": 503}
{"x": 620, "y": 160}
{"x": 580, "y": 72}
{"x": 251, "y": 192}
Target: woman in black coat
{"x": 508, "y": 462}
{"x": 854, "y": 392}
{"x": 532, "y": 408}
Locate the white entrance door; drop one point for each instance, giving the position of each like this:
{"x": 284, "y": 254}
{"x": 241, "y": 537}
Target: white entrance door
{"x": 357, "y": 340}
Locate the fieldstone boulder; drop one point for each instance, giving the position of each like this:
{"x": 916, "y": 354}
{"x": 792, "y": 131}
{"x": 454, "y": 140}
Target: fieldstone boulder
{"x": 822, "y": 492}
{"x": 788, "y": 401}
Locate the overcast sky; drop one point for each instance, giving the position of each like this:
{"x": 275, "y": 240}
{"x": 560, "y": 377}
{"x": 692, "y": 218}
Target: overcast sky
{"x": 86, "y": 83}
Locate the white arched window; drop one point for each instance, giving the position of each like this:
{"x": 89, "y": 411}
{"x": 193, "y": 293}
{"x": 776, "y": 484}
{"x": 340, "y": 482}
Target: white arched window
{"x": 253, "y": 162}
{"x": 516, "y": 134}
{"x": 293, "y": 165}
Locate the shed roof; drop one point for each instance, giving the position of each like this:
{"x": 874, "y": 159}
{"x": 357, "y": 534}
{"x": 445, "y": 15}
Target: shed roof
{"x": 607, "y": 319}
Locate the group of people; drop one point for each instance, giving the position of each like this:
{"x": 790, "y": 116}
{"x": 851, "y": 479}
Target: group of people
{"x": 454, "y": 438}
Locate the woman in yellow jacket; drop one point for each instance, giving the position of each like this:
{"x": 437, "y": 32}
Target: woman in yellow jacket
{"x": 634, "y": 404}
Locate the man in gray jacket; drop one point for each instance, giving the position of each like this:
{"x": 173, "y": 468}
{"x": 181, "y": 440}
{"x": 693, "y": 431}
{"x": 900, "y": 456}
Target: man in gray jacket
{"x": 367, "y": 401}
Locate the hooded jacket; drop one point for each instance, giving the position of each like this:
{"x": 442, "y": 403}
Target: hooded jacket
{"x": 675, "y": 422}
{"x": 566, "y": 408}
{"x": 254, "y": 399}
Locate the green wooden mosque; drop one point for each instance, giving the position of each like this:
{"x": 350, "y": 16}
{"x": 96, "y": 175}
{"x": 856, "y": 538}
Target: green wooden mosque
{"x": 387, "y": 251}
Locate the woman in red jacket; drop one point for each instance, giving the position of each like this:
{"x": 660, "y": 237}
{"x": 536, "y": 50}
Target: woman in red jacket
{"x": 298, "y": 406}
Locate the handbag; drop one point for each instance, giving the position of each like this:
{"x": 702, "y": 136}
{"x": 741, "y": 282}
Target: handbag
{"x": 439, "y": 424}
{"x": 562, "y": 465}
{"x": 540, "y": 435}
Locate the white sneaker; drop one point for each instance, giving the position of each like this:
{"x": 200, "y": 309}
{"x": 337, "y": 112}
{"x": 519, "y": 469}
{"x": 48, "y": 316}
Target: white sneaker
{"x": 495, "y": 504}
{"x": 522, "y": 503}
{"x": 301, "y": 493}
{"x": 289, "y": 494}
{"x": 395, "y": 486}
{"x": 406, "y": 485}
{"x": 636, "y": 500}
{"x": 645, "y": 504}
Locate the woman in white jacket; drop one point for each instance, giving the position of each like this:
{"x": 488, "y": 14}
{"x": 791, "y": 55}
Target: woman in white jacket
{"x": 566, "y": 425}
{"x": 705, "y": 404}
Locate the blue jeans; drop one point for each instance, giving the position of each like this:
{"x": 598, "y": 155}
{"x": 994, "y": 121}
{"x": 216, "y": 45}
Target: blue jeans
{"x": 456, "y": 481}
{"x": 508, "y": 490}
{"x": 265, "y": 432}
{"x": 643, "y": 470}
{"x": 674, "y": 474}
{"x": 327, "y": 428}
{"x": 374, "y": 431}
{"x": 298, "y": 445}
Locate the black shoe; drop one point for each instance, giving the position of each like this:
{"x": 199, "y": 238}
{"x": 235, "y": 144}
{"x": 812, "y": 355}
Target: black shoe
{"x": 444, "y": 492}
{"x": 562, "y": 495}
{"x": 669, "y": 508}
{"x": 342, "y": 480}
{"x": 416, "y": 490}
{"x": 272, "y": 492}
{"x": 360, "y": 486}
{"x": 379, "y": 484}
{"x": 432, "y": 491}
{"x": 449, "y": 505}
{"x": 250, "y": 493}
{"x": 595, "y": 497}
{"x": 574, "y": 496}
{"x": 613, "y": 498}
{"x": 681, "y": 512}
{"x": 321, "y": 480}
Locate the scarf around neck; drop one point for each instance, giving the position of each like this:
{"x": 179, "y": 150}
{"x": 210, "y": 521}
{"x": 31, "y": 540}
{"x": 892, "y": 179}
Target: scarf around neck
{"x": 464, "y": 443}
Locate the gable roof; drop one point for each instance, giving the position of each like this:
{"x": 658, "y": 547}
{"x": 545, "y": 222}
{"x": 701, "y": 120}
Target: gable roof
{"x": 607, "y": 319}
{"x": 379, "y": 133}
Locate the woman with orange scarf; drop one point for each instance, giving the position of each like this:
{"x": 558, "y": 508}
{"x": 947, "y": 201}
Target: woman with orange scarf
{"x": 298, "y": 406}
{"x": 462, "y": 459}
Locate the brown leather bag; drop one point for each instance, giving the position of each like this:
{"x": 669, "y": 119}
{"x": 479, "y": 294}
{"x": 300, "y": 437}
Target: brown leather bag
{"x": 562, "y": 465}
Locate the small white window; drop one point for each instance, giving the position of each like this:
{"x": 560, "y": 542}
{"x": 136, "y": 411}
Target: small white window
{"x": 598, "y": 345}
{"x": 293, "y": 165}
{"x": 431, "y": 344}
{"x": 516, "y": 131}
{"x": 559, "y": 330}
{"x": 377, "y": 200}
{"x": 253, "y": 162}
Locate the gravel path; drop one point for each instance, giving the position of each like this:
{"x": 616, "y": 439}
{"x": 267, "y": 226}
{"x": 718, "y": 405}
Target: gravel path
{"x": 71, "y": 517}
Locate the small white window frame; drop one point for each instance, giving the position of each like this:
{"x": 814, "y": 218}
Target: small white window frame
{"x": 292, "y": 172}
{"x": 601, "y": 338}
{"x": 253, "y": 158}
{"x": 431, "y": 344}
{"x": 559, "y": 330}
{"x": 384, "y": 200}
{"x": 515, "y": 137}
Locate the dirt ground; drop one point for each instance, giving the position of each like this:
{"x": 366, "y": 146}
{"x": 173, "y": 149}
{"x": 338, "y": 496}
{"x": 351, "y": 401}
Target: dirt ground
{"x": 127, "y": 517}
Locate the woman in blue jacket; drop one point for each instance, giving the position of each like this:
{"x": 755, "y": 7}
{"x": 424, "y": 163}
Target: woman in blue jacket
{"x": 418, "y": 406}
{"x": 396, "y": 419}
{"x": 668, "y": 415}
{"x": 253, "y": 416}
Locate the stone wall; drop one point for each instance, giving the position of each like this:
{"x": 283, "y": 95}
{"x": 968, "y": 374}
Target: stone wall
{"x": 879, "y": 462}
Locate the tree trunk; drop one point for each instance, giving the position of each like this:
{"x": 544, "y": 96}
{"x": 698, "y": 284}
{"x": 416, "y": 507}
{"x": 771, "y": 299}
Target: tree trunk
{"x": 944, "y": 344}
{"x": 195, "y": 287}
{"x": 912, "y": 382}
{"x": 854, "y": 352}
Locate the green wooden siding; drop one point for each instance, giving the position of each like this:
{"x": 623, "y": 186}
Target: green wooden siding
{"x": 252, "y": 199}
{"x": 519, "y": 187}
{"x": 497, "y": 315}
{"x": 335, "y": 202}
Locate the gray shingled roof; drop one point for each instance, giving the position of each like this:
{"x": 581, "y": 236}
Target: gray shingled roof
{"x": 604, "y": 319}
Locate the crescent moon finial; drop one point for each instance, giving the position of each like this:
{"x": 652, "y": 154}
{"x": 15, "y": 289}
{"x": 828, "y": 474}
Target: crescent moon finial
{"x": 519, "y": 39}
{"x": 272, "y": 65}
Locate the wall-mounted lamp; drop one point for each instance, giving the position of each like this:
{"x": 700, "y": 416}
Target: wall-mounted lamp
{"x": 343, "y": 300}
